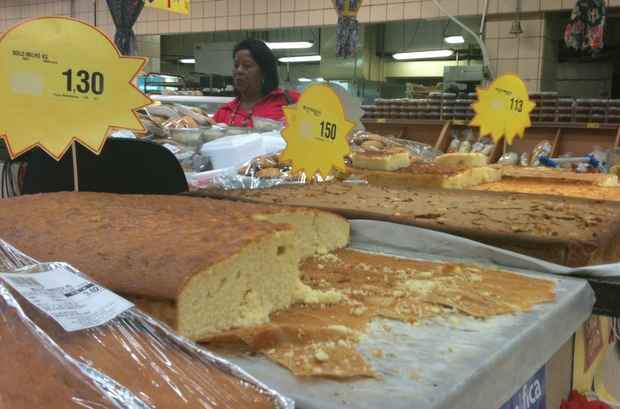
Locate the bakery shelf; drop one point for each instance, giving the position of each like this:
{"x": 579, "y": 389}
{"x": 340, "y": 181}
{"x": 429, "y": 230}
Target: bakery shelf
{"x": 566, "y": 137}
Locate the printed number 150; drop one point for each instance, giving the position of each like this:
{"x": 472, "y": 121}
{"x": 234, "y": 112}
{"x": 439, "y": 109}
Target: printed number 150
{"x": 328, "y": 130}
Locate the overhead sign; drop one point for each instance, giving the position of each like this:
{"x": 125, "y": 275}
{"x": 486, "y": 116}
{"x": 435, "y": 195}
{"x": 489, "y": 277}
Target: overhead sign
{"x": 62, "y": 80}
{"x": 317, "y": 132}
{"x": 175, "y": 6}
{"x": 503, "y": 109}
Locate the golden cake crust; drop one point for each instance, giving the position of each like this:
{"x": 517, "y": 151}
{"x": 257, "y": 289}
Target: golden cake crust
{"x": 134, "y": 244}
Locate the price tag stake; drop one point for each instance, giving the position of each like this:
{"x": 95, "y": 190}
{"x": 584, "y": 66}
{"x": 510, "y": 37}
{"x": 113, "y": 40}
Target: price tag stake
{"x": 503, "y": 109}
{"x": 317, "y": 132}
{"x": 63, "y": 81}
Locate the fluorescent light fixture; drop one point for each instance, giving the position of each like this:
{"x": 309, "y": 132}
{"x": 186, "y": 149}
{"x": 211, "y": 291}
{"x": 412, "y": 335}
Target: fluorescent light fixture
{"x": 301, "y": 58}
{"x": 187, "y": 61}
{"x": 289, "y": 45}
{"x": 423, "y": 55}
{"x": 302, "y": 79}
{"x": 320, "y": 79}
{"x": 454, "y": 40}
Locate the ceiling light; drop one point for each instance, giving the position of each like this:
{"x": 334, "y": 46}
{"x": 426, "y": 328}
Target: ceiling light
{"x": 423, "y": 55}
{"x": 320, "y": 79}
{"x": 187, "y": 61}
{"x": 454, "y": 40}
{"x": 289, "y": 45}
{"x": 301, "y": 58}
{"x": 304, "y": 79}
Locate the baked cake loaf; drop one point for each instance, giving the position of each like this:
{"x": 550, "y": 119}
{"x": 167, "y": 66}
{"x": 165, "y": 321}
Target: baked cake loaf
{"x": 557, "y": 182}
{"x": 387, "y": 159}
{"x": 429, "y": 174}
{"x": 135, "y": 354}
{"x": 539, "y": 174}
{"x": 568, "y": 231}
{"x": 547, "y": 187}
{"x": 202, "y": 266}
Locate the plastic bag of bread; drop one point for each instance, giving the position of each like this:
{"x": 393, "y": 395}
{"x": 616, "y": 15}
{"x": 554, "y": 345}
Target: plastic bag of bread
{"x": 132, "y": 361}
{"x": 184, "y": 122}
{"x": 509, "y": 159}
{"x": 196, "y": 114}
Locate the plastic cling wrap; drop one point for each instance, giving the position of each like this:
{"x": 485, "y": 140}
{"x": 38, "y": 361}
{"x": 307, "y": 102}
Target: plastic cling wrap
{"x": 132, "y": 361}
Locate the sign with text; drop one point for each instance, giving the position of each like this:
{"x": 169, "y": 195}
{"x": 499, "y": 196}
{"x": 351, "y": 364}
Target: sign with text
{"x": 62, "y": 80}
{"x": 317, "y": 131}
{"x": 503, "y": 109}
{"x": 531, "y": 395}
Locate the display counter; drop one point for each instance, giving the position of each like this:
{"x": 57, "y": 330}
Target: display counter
{"x": 442, "y": 363}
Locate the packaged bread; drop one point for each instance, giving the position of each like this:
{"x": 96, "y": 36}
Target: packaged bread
{"x": 376, "y": 152}
{"x": 131, "y": 361}
{"x": 184, "y": 122}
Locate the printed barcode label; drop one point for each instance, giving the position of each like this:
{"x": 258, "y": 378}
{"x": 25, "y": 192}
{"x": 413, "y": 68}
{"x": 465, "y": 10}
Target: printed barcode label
{"x": 24, "y": 282}
{"x": 69, "y": 299}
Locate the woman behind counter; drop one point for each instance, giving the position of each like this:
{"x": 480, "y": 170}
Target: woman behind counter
{"x": 255, "y": 76}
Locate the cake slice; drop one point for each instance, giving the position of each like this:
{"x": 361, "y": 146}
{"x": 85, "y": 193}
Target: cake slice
{"x": 200, "y": 265}
{"x": 429, "y": 174}
{"x": 556, "y": 182}
{"x": 388, "y": 159}
{"x": 542, "y": 174}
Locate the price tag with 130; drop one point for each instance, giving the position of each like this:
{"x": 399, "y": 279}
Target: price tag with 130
{"x": 70, "y": 82}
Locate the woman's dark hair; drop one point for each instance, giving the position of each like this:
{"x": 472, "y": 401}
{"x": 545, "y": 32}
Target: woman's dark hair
{"x": 265, "y": 59}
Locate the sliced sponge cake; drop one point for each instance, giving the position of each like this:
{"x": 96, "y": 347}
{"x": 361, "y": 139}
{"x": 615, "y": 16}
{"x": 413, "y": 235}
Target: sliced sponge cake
{"x": 201, "y": 265}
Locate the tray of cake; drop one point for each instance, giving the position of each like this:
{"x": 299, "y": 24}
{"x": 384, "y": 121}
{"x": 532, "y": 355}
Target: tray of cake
{"x": 280, "y": 281}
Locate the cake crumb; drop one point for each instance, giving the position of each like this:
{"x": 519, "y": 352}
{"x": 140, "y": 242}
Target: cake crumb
{"x": 321, "y": 356}
{"x": 359, "y": 311}
{"x": 377, "y": 353}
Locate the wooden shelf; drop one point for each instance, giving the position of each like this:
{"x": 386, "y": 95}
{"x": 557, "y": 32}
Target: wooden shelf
{"x": 577, "y": 138}
{"x": 458, "y": 122}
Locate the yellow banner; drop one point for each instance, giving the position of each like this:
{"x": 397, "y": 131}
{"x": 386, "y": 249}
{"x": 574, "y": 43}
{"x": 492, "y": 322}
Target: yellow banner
{"x": 175, "y": 6}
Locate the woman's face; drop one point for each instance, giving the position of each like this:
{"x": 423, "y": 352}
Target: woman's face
{"x": 247, "y": 75}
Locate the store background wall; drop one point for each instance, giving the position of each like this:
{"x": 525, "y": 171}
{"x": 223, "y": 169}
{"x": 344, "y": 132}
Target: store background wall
{"x": 529, "y": 55}
{"x": 224, "y": 15}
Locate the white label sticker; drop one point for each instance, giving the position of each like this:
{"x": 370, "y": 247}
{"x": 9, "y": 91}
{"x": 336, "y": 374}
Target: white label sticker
{"x": 70, "y": 300}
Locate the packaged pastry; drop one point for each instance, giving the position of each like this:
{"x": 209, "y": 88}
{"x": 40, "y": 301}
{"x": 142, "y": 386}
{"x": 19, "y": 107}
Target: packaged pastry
{"x": 455, "y": 143}
{"x": 130, "y": 361}
{"x": 465, "y": 147}
{"x": 488, "y": 149}
{"x": 509, "y": 159}
{"x": 543, "y": 148}
{"x": 525, "y": 159}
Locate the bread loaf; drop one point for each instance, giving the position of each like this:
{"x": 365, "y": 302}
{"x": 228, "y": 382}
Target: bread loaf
{"x": 201, "y": 265}
{"x": 135, "y": 354}
{"x": 423, "y": 174}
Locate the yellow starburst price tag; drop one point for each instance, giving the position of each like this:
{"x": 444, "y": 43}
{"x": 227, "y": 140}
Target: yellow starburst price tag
{"x": 503, "y": 109}
{"x": 62, "y": 80}
{"x": 175, "y": 6}
{"x": 317, "y": 131}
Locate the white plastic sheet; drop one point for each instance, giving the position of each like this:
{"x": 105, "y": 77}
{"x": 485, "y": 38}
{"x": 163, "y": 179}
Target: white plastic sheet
{"x": 440, "y": 364}
{"x": 235, "y": 150}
